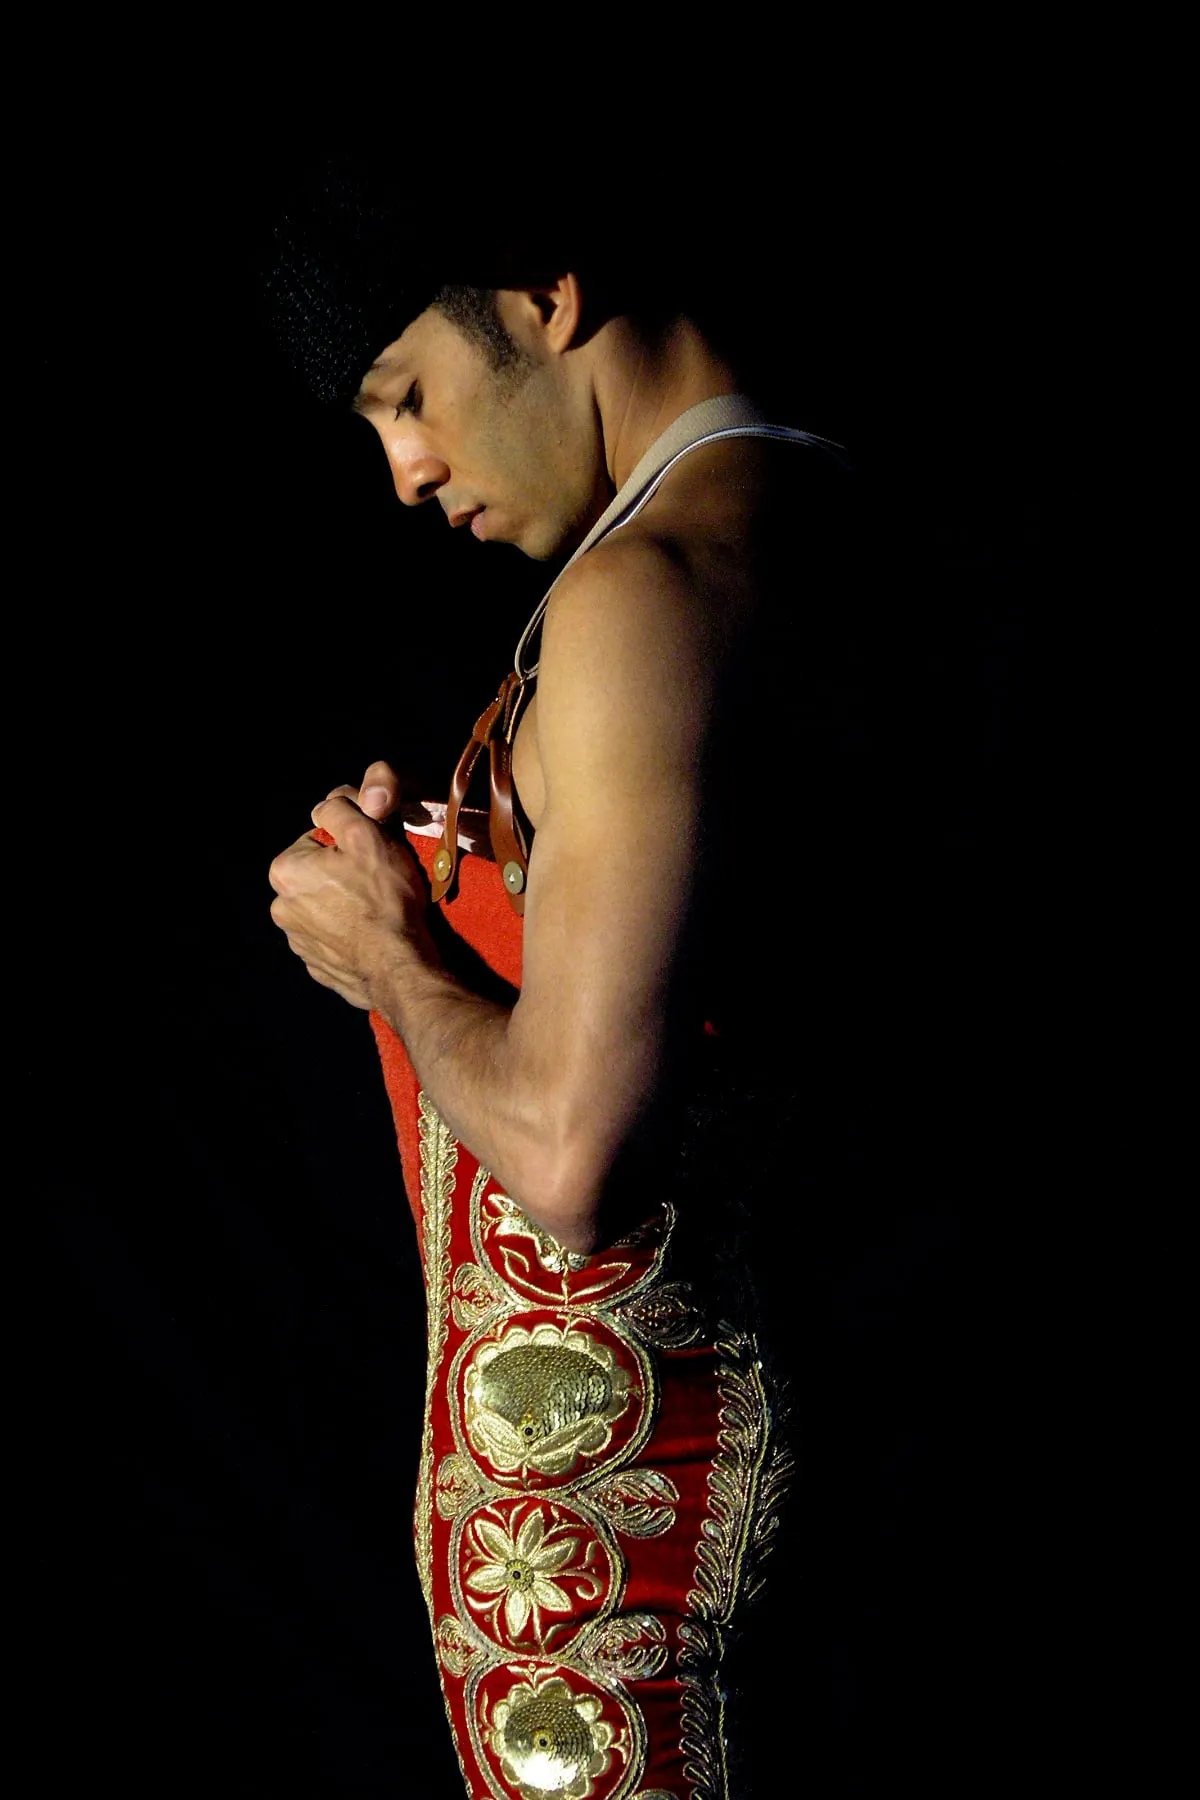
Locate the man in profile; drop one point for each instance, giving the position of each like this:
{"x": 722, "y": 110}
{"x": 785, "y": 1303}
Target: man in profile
{"x": 619, "y": 999}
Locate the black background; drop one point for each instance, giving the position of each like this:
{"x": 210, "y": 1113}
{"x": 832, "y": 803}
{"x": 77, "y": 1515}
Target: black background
{"x": 235, "y": 614}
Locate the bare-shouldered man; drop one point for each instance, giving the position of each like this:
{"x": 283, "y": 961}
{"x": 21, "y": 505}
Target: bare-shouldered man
{"x": 612, "y": 756}
{"x": 649, "y": 766}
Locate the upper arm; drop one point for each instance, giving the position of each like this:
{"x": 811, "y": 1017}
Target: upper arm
{"x": 625, "y": 695}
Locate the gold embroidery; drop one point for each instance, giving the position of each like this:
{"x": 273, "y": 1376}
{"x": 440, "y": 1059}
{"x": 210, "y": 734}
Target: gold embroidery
{"x": 640, "y": 1503}
{"x": 459, "y": 1485}
{"x": 550, "y": 1742}
{"x": 476, "y": 1296}
{"x": 631, "y": 1647}
{"x": 667, "y": 1317}
{"x": 510, "y": 1544}
{"x": 734, "y": 1482}
{"x": 456, "y": 1649}
{"x": 439, "y": 1154}
{"x": 543, "y": 1399}
{"x": 703, "y": 1728}
{"x": 515, "y": 1570}
{"x": 534, "y": 1266}
{"x": 745, "y": 1489}
{"x": 510, "y": 1221}
{"x": 519, "y": 1248}
{"x": 778, "y": 1472}
{"x": 547, "y": 1398}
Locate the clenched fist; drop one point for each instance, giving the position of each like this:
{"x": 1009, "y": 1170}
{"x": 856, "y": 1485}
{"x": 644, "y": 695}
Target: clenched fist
{"x": 351, "y": 899}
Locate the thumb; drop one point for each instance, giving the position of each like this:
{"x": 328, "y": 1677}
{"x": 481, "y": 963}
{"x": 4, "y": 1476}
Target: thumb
{"x": 379, "y": 794}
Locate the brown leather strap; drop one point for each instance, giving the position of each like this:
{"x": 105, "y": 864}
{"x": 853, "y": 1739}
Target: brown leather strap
{"x": 494, "y": 729}
{"x": 509, "y": 845}
{"x": 445, "y": 862}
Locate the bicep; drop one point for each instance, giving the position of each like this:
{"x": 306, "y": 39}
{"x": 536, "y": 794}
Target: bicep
{"x": 623, "y": 699}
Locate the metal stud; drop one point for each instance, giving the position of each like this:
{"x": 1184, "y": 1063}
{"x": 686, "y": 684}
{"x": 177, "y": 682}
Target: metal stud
{"x": 514, "y": 877}
{"x": 441, "y": 863}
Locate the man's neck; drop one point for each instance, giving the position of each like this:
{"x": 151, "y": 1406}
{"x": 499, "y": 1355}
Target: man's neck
{"x": 641, "y": 388}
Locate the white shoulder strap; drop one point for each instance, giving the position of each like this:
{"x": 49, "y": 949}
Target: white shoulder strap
{"x": 728, "y": 416}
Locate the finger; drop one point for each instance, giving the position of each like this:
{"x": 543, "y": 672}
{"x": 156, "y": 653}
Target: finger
{"x": 287, "y": 864}
{"x": 339, "y": 816}
{"x": 309, "y": 952}
{"x": 344, "y": 792}
{"x": 326, "y": 977}
{"x": 379, "y": 793}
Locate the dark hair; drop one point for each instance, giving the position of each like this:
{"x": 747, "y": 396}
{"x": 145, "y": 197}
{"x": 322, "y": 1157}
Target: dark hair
{"x": 476, "y": 312}
{"x": 355, "y": 255}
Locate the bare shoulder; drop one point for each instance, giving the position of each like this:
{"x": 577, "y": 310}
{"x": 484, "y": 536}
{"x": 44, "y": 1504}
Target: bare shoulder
{"x": 645, "y": 592}
{"x": 647, "y": 635}
{"x": 628, "y": 665}
{"x": 693, "y": 563}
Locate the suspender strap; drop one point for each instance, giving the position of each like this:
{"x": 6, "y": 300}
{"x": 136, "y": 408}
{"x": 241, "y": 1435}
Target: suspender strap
{"x": 510, "y": 839}
{"x": 727, "y": 416}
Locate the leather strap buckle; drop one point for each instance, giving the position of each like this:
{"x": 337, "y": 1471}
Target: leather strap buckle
{"x": 493, "y": 732}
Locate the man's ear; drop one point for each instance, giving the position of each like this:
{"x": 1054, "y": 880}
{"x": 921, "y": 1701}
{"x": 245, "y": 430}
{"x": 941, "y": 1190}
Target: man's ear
{"x": 552, "y": 310}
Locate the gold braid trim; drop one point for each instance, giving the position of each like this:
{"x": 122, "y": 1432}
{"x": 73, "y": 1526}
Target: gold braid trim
{"x": 746, "y": 1486}
{"x": 439, "y": 1154}
{"x": 702, "y": 1738}
{"x": 777, "y": 1474}
{"x": 735, "y": 1482}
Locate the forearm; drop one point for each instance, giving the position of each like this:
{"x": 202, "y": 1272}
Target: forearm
{"x": 504, "y": 1091}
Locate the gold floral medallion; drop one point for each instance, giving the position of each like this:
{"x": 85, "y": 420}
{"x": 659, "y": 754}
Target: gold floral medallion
{"x": 533, "y": 1573}
{"x": 543, "y": 1399}
{"x": 554, "y": 1736}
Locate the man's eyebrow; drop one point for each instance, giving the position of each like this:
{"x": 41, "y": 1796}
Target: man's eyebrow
{"x": 363, "y": 401}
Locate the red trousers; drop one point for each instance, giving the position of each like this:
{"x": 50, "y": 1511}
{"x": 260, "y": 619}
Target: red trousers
{"x": 598, "y": 1476}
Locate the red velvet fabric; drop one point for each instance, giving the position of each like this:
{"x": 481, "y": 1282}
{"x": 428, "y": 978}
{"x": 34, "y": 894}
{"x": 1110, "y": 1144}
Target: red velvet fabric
{"x": 595, "y": 1471}
{"x": 494, "y": 931}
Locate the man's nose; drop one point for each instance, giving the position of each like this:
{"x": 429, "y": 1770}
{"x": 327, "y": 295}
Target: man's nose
{"x": 416, "y": 473}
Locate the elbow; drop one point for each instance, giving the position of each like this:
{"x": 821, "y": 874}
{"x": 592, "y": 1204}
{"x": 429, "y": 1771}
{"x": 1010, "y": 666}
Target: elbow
{"x": 562, "y": 1191}
{"x": 576, "y": 1131}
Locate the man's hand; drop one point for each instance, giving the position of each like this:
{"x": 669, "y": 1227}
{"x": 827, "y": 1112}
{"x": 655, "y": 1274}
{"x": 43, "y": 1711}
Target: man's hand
{"x": 350, "y": 909}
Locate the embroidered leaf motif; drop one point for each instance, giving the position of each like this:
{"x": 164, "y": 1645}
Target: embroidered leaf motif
{"x": 476, "y": 1296}
{"x": 667, "y": 1316}
{"x": 458, "y": 1486}
{"x": 632, "y": 1648}
{"x": 746, "y": 1486}
{"x": 455, "y": 1648}
{"x": 639, "y": 1502}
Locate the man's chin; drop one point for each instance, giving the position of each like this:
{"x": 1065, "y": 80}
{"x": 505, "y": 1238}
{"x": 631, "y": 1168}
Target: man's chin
{"x": 554, "y": 542}
{"x": 544, "y": 546}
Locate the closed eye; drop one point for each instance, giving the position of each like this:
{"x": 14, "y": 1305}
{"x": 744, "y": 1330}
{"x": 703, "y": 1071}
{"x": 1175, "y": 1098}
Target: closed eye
{"x": 411, "y": 402}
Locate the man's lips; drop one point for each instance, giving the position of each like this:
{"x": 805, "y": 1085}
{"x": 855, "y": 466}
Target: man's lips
{"x": 465, "y": 515}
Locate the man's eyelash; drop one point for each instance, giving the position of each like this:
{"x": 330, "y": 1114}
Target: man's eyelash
{"x": 410, "y": 402}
